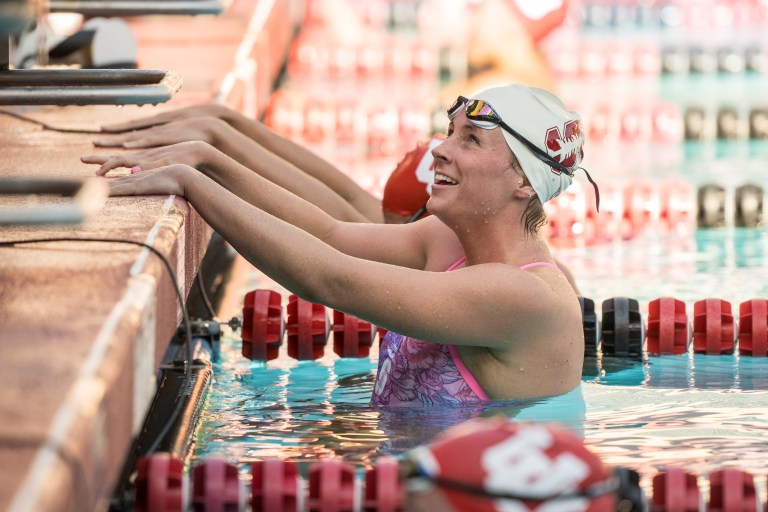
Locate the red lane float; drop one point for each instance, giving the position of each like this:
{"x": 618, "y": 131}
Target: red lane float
{"x": 677, "y": 210}
{"x": 753, "y": 328}
{"x": 384, "y": 490}
{"x": 667, "y": 327}
{"x": 216, "y": 487}
{"x": 275, "y": 486}
{"x": 640, "y": 205}
{"x": 159, "y": 483}
{"x": 352, "y": 337}
{"x": 675, "y": 490}
{"x": 732, "y": 490}
{"x": 262, "y": 329}
{"x": 307, "y": 328}
{"x": 713, "y": 327}
{"x": 331, "y": 487}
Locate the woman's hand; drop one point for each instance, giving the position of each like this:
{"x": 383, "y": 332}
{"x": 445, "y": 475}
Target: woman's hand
{"x": 204, "y": 129}
{"x": 216, "y": 111}
{"x": 167, "y": 180}
{"x": 192, "y": 154}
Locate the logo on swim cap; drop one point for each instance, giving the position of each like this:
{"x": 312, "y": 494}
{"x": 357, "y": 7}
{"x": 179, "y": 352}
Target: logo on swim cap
{"x": 488, "y": 466}
{"x": 566, "y": 146}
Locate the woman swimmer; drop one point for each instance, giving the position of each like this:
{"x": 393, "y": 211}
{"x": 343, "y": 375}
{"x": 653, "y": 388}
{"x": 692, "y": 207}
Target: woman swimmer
{"x": 503, "y": 323}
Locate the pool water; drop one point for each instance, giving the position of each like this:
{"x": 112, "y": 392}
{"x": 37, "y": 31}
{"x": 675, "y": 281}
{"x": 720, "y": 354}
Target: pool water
{"x": 695, "y": 411}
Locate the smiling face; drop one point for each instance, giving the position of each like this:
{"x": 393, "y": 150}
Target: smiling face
{"x": 474, "y": 173}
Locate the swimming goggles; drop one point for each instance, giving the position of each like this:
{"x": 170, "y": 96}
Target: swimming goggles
{"x": 482, "y": 114}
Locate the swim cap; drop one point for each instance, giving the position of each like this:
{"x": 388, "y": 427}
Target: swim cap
{"x": 410, "y": 184}
{"x": 540, "y": 117}
{"x": 505, "y": 459}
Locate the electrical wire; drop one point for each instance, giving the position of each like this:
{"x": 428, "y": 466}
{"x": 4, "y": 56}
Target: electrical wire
{"x": 187, "y": 324}
{"x": 46, "y": 126}
{"x": 206, "y": 300}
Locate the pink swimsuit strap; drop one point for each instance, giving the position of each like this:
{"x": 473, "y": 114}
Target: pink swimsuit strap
{"x": 522, "y": 267}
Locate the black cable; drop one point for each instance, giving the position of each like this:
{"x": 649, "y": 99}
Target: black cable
{"x": 187, "y": 324}
{"x": 609, "y": 486}
{"x": 46, "y": 126}
{"x": 206, "y": 300}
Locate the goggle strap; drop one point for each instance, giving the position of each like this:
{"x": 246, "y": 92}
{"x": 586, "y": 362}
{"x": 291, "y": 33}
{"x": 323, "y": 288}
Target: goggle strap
{"x": 597, "y": 190}
{"x": 612, "y": 485}
{"x": 416, "y": 216}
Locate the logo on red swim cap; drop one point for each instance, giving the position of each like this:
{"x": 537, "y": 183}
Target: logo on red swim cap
{"x": 410, "y": 184}
{"x": 503, "y": 458}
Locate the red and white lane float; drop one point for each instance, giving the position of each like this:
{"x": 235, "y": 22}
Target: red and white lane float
{"x": 713, "y": 327}
{"x": 306, "y": 326}
{"x": 732, "y": 490}
{"x": 668, "y": 329}
{"x": 352, "y": 337}
{"x": 263, "y": 325}
{"x": 307, "y": 329}
{"x": 161, "y": 485}
{"x": 384, "y": 488}
{"x": 216, "y": 487}
{"x": 753, "y": 328}
{"x": 675, "y": 490}
{"x": 332, "y": 487}
{"x": 619, "y": 330}
{"x": 276, "y": 486}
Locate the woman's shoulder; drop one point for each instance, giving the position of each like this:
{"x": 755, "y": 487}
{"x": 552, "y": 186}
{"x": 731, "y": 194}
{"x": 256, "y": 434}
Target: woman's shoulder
{"x": 443, "y": 248}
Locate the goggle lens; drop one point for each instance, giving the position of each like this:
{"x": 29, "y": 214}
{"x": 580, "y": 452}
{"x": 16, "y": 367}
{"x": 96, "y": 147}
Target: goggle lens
{"x": 454, "y": 109}
{"x": 481, "y": 114}
{"x": 481, "y": 111}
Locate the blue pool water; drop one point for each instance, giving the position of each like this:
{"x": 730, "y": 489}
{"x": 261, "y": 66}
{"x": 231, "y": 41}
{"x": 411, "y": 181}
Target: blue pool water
{"x": 695, "y": 411}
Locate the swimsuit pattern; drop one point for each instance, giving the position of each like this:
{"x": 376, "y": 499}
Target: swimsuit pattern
{"x": 412, "y": 370}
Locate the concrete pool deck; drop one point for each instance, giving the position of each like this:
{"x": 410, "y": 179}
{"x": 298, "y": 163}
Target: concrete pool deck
{"x": 85, "y": 325}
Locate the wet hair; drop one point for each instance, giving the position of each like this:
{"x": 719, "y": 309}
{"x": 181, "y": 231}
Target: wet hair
{"x": 533, "y": 216}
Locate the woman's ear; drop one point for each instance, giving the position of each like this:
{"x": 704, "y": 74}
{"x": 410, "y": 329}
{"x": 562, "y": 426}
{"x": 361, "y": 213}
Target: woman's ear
{"x": 523, "y": 192}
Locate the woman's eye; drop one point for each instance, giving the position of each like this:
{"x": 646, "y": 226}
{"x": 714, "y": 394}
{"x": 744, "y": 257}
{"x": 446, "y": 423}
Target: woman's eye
{"x": 473, "y": 139}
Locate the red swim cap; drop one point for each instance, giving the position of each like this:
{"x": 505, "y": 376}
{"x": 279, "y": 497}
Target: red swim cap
{"x": 540, "y": 17}
{"x": 410, "y": 184}
{"x": 504, "y": 458}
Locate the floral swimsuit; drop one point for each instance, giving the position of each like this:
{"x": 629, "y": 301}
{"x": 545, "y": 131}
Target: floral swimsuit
{"x": 416, "y": 372}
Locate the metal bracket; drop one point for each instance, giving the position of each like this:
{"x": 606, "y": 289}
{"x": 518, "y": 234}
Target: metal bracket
{"x": 137, "y": 7}
{"x": 82, "y": 199}
{"x": 87, "y": 86}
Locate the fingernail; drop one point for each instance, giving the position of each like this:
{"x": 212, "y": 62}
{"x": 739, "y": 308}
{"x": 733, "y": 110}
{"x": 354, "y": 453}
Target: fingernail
{"x": 135, "y": 169}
